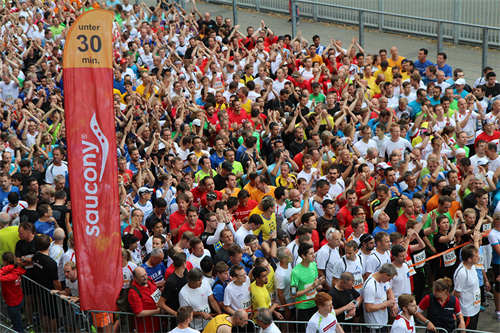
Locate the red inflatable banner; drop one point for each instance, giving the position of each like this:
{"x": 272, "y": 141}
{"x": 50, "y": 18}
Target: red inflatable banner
{"x": 91, "y": 149}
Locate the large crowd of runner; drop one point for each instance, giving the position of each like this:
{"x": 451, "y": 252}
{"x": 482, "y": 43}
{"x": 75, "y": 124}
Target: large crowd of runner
{"x": 261, "y": 177}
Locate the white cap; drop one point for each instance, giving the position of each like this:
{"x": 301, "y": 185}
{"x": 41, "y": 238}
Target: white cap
{"x": 290, "y": 211}
{"x": 460, "y": 151}
{"x": 460, "y": 82}
{"x": 482, "y": 161}
{"x": 377, "y": 214}
{"x": 197, "y": 122}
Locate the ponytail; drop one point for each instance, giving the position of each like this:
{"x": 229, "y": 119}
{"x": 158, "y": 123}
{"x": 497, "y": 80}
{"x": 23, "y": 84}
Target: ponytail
{"x": 9, "y": 258}
{"x": 443, "y": 284}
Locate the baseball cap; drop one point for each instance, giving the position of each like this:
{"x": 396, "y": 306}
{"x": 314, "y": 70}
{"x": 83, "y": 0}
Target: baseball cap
{"x": 364, "y": 238}
{"x": 227, "y": 166}
{"x": 250, "y": 238}
{"x": 281, "y": 234}
{"x": 144, "y": 190}
{"x": 482, "y": 161}
{"x": 460, "y": 82}
{"x": 489, "y": 121}
{"x": 211, "y": 196}
{"x": 377, "y": 214}
{"x": 197, "y": 122}
{"x": 460, "y": 151}
{"x": 123, "y": 61}
{"x": 316, "y": 84}
{"x": 182, "y": 76}
{"x": 296, "y": 74}
{"x": 382, "y": 165}
{"x": 424, "y": 125}
{"x": 290, "y": 211}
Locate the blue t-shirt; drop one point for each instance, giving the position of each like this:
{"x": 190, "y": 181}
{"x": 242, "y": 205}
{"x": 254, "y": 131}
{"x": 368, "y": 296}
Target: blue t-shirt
{"x": 417, "y": 108}
{"x": 462, "y": 94}
{"x": 448, "y": 71}
{"x": 46, "y": 228}
{"x": 4, "y": 195}
{"x": 218, "y": 290}
{"x": 156, "y": 273}
{"x": 215, "y": 160}
{"x": 392, "y": 228}
{"x": 422, "y": 66}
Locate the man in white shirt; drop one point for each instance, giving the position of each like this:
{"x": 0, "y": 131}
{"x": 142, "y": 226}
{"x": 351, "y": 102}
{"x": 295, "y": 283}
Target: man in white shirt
{"x": 378, "y": 296}
{"x": 396, "y": 142}
{"x": 58, "y": 166}
{"x": 282, "y": 279}
{"x": 404, "y": 322}
{"x": 327, "y": 256}
{"x": 264, "y": 320}
{"x": 466, "y": 286}
{"x": 237, "y": 293}
{"x": 366, "y": 141}
{"x": 380, "y": 256}
{"x": 352, "y": 263}
{"x": 198, "y": 252}
{"x": 198, "y": 294}
{"x": 254, "y": 223}
{"x": 401, "y": 283}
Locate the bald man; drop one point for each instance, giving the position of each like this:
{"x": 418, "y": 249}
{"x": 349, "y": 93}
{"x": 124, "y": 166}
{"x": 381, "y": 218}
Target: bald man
{"x": 223, "y": 323}
{"x": 56, "y": 252}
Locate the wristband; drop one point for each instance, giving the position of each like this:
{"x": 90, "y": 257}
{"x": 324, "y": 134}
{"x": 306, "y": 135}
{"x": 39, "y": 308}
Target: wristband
{"x": 428, "y": 321}
{"x": 274, "y": 240}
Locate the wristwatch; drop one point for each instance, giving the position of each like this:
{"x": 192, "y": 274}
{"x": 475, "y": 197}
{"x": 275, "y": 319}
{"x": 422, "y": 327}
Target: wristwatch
{"x": 23, "y": 259}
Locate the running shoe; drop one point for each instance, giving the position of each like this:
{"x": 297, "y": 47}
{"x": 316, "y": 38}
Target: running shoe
{"x": 488, "y": 295}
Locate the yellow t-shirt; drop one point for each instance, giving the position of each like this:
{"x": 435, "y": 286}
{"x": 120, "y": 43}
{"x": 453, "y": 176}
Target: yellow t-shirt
{"x": 257, "y": 195}
{"x": 236, "y": 190}
{"x": 387, "y": 74}
{"x": 269, "y": 225}
{"x": 270, "y": 285}
{"x": 260, "y": 297}
{"x": 393, "y": 63}
{"x": 375, "y": 88}
{"x": 370, "y": 80}
{"x": 140, "y": 91}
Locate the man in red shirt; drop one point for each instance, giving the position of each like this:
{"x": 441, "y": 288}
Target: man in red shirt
{"x": 309, "y": 219}
{"x": 193, "y": 224}
{"x": 210, "y": 187}
{"x": 238, "y": 116}
{"x": 407, "y": 214}
{"x": 344, "y": 215}
{"x": 178, "y": 218}
{"x": 245, "y": 206}
{"x": 489, "y": 134}
{"x": 198, "y": 192}
{"x": 145, "y": 305}
{"x": 299, "y": 81}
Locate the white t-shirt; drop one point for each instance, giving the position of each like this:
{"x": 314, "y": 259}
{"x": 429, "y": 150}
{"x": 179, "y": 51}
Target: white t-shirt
{"x": 363, "y": 147}
{"x": 354, "y": 267}
{"x": 184, "y": 330}
{"x": 375, "y": 293}
{"x": 318, "y": 323}
{"x": 54, "y": 170}
{"x": 128, "y": 275}
{"x": 400, "y": 284}
{"x": 9, "y": 92}
{"x": 198, "y": 300}
{"x": 282, "y": 280}
{"x": 375, "y": 260}
{"x": 73, "y": 287}
{"x": 401, "y": 324}
{"x": 388, "y": 146}
{"x": 470, "y": 127}
{"x": 56, "y": 252}
{"x": 239, "y": 237}
{"x": 237, "y": 297}
{"x": 147, "y": 209}
{"x": 306, "y": 176}
{"x": 270, "y": 329}
{"x": 466, "y": 283}
{"x": 306, "y": 74}
{"x": 197, "y": 260}
{"x": 325, "y": 259}
{"x": 13, "y": 210}
{"x": 294, "y": 248}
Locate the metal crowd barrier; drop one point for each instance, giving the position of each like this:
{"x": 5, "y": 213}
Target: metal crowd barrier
{"x": 5, "y": 329}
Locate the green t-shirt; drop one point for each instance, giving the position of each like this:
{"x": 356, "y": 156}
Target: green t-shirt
{"x": 427, "y": 224}
{"x": 453, "y": 106}
{"x": 57, "y": 31}
{"x": 319, "y": 99}
{"x": 303, "y": 277}
{"x": 200, "y": 175}
{"x": 255, "y": 134}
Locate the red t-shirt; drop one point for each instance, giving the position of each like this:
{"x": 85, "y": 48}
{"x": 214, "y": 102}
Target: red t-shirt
{"x": 401, "y": 224}
{"x": 176, "y": 219}
{"x": 344, "y": 216}
{"x": 137, "y": 233}
{"x": 238, "y": 118}
{"x": 488, "y": 138}
{"x": 315, "y": 240}
{"x": 11, "y": 284}
{"x": 306, "y": 84}
{"x": 298, "y": 160}
{"x": 127, "y": 175}
{"x": 242, "y": 213}
{"x": 171, "y": 269}
{"x": 146, "y": 302}
{"x": 198, "y": 229}
{"x": 203, "y": 201}
{"x": 214, "y": 120}
{"x": 197, "y": 194}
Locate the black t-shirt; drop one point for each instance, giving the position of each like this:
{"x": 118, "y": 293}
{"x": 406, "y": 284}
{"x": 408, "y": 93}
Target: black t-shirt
{"x": 491, "y": 210}
{"x": 310, "y": 128}
{"x": 322, "y": 220}
{"x": 441, "y": 247}
{"x": 469, "y": 201}
{"x": 24, "y": 248}
{"x": 210, "y": 25}
{"x": 493, "y": 91}
{"x": 35, "y": 175}
{"x": 333, "y": 111}
{"x": 204, "y": 211}
{"x": 221, "y": 255}
{"x": 343, "y": 168}
{"x": 210, "y": 248}
{"x": 391, "y": 209}
{"x": 172, "y": 288}
{"x": 220, "y": 183}
{"x": 342, "y": 298}
{"x": 45, "y": 270}
{"x": 296, "y": 147}
{"x": 31, "y": 215}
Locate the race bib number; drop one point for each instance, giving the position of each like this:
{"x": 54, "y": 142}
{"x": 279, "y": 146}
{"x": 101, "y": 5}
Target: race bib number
{"x": 156, "y": 295}
{"x": 358, "y": 282}
{"x": 312, "y": 293}
{"x": 411, "y": 269}
{"x": 419, "y": 259}
{"x": 247, "y": 305}
{"x": 206, "y": 309}
{"x": 449, "y": 259}
{"x": 470, "y": 134}
{"x": 486, "y": 227}
{"x": 477, "y": 298}
{"x": 480, "y": 263}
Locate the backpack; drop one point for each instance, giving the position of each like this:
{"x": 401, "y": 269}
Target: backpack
{"x": 122, "y": 301}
